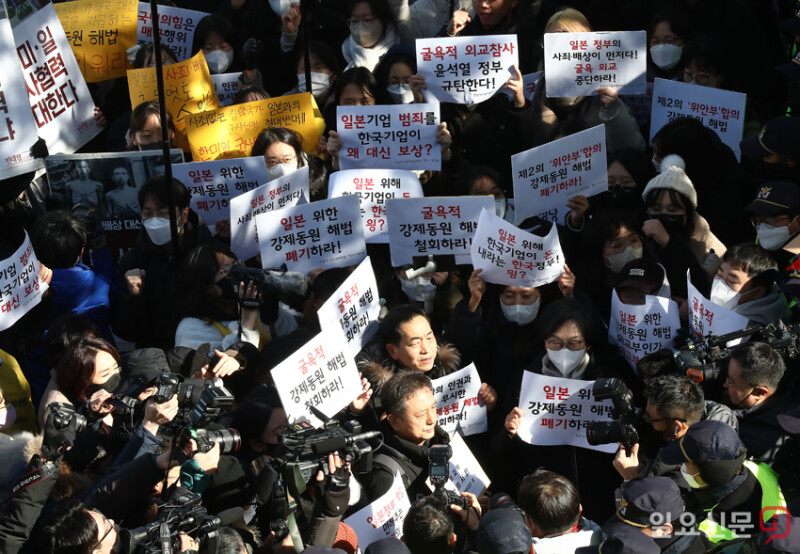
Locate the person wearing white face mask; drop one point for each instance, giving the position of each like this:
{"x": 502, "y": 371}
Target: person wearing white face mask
{"x": 667, "y": 32}
{"x": 325, "y": 70}
{"x": 394, "y": 73}
{"x": 283, "y": 153}
{"x": 372, "y": 33}
{"x": 775, "y": 216}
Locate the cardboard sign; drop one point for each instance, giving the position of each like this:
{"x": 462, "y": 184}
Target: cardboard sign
{"x": 433, "y": 225}
{"x": 458, "y": 408}
{"x": 547, "y": 176}
{"x": 639, "y": 330}
{"x": 466, "y": 474}
{"x": 20, "y": 288}
{"x": 529, "y": 82}
{"x": 557, "y": 411}
{"x": 718, "y": 109}
{"x": 214, "y": 184}
{"x": 373, "y": 188}
{"x": 383, "y": 518}
{"x": 226, "y": 85}
{"x": 279, "y": 193}
{"x": 230, "y": 132}
{"x": 100, "y": 34}
{"x": 577, "y": 64}
{"x": 401, "y": 136}
{"x": 510, "y": 256}
{"x": 467, "y": 70}
{"x": 705, "y": 317}
{"x": 354, "y": 308}
{"x": 322, "y": 373}
{"x": 175, "y": 25}
{"x": 320, "y": 234}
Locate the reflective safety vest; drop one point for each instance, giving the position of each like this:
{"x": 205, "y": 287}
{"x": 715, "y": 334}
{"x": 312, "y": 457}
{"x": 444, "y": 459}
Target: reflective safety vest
{"x": 771, "y": 497}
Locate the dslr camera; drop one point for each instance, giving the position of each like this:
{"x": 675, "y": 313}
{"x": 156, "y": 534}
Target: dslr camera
{"x": 626, "y": 420}
{"x": 439, "y": 473}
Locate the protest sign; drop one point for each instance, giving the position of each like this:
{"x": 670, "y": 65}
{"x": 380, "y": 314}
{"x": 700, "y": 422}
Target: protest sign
{"x": 100, "y": 34}
{"x": 433, "y": 225}
{"x": 383, "y": 518}
{"x": 175, "y": 27}
{"x": 547, "y": 176}
{"x": 278, "y": 193}
{"x": 639, "y": 330}
{"x": 529, "y": 82}
{"x": 465, "y": 473}
{"x": 213, "y": 184}
{"x": 320, "y": 234}
{"x": 20, "y": 287}
{"x": 510, "y": 256}
{"x": 718, "y": 109}
{"x": 577, "y": 64}
{"x": 230, "y": 132}
{"x": 467, "y": 70}
{"x": 373, "y": 188}
{"x": 556, "y": 411}
{"x": 227, "y": 85}
{"x": 20, "y": 10}
{"x": 458, "y": 408}
{"x": 401, "y": 136}
{"x": 706, "y": 318}
{"x": 640, "y": 105}
{"x": 354, "y": 308}
{"x": 322, "y": 373}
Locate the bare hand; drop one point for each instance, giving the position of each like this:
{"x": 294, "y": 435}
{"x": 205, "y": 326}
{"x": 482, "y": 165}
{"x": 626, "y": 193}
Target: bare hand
{"x": 134, "y": 278}
{"x": 291, "y": 20}
{"x": 334, "y": 146}
{"x": 444, "y": 139}
{"x": 357, "y": 406}
{"x": 159, "y": 414}
{"x": 477, "y": 286}
{"x": 439, "y": 277}
{"x": 98, "y": 404}
{"x": 472, "y": 515}
{"x": 223, "y": 228}
{"x": 487, "y": 395}
{"x": 578, "y": 206}
{"x": 566, "y": 283}
{"x": 608, "y": 97}
{"x": 227, "y": 365}
{"x": 517, "y": 88}
{"x": 99, "y": 118}
{"x": 45, "y": 273}
{"x": 188, "y": 544}
{"x": 417, "y": 83}
{"x": 321, "y": 149}
{"x": 208, "y": 461}
{"x": 627, "y": 466}
{"x": 249, "y": 315}
{"x": 654, "y": 229}
{"x": 514, "y": 420}
{"x": 458, "y": 22}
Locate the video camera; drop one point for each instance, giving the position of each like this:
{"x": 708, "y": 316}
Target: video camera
{"x": 439, "y": 472}
{"x": 273, "y": 286}
{"x": 624, "y": 428}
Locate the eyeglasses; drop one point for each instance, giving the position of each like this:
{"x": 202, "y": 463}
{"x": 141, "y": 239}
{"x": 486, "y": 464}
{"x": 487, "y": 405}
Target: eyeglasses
{"x": 624, "y": 242}
{"x": 666, "y": 40}
{"x": 109, "y": 526}
{"x": 272, "y": 162}
{"x": 572, "y": 344}
{"x": 730, "y": 384}
{"x": 369, "y": 20}
{"x": 696, "y": 78}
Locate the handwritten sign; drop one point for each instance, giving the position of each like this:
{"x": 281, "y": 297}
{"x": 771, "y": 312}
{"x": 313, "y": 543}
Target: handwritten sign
{"x": 529, "y": 82}
{"x": 466, "y": 474}
{"x": 175, "y": 25}
{"x": 322, "y": 373}
{"x": 466, "y": 70}
{"x": 639, "y": 330}
{"x": 556, "y": 411}
{"x": 226, "y": 85}
{"x": 706, "y": 317}
{"x": 433, "y": 225}
{"x": 213, "y": 184}
{"x": 373, "y": 188}
{"x": 320, "y": 234}
{"x": 458, "y": 408}
{"x": 20, "y": 288}
{"x": 510, "y": 256}
{"x": 718, "y": 109}
{"x": 547, "y": 176}
{"x": 577, "y": 64}
{"x": 399, "y": 136}
{"x": 383, "y": 518}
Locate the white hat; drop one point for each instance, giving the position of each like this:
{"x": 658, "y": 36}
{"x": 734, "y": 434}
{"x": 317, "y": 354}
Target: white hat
{"x": 673, "y": 177}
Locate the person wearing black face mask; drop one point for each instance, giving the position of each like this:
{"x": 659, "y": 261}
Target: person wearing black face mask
{"x": 628, "y": 171}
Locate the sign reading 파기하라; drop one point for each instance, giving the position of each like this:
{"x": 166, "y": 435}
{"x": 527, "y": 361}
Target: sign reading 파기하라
{"x": 383, "y": 518}
{"x": 458, "y": 407}
{"x": 20, "y": 287}
{"x": 639, "y": 330}
{"x": 175, "y": 25}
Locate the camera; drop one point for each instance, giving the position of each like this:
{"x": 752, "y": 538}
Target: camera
{"x": 273, "y": 286}
{"x": 624, "y": 428}
{"x": 439, "y": 472}
{"x": 188, "y": 390}
{"x": 229, "y": 440}
{"x": 63, "y": 414}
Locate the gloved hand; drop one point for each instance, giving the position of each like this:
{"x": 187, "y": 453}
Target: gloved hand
{"x": 251, "y": 53}
{"x": 59, "y": 430}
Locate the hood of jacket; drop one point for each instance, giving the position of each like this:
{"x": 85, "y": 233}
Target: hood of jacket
{"x": 378, "y": 367}
{"x": 765, "y": 310}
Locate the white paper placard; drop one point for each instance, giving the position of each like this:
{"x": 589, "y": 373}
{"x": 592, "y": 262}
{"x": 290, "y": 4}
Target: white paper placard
{"x": 20, "y": 287}
{"x": 466, "y": 474}
{"x": 227, "y": 85}
{"x": 529, "y": 82}
{"x": 458, "y": 408}
{"x": 383, "y": 518}
{"x": 706, "y": 317}
{"x": 175, "y": 25}
{"x": 639, "y": 330}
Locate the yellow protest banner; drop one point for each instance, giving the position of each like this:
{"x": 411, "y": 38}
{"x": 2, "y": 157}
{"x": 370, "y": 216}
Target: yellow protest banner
{"x": 188, "y": 89}
{"x": 230, "y": 132}
{"x": 100, "y": 32}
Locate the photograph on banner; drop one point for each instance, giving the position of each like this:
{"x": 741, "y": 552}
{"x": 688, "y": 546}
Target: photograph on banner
{"x": 547, "y": 176}
{"x": 175, "y": 25}
{"x": 213, "y": 184}
{"x": 528, "y": 82}
{"x": 466, "y": 474}
{"x": 230, "y": 132}
{"x": 321, "y": 373}
{"x": 20, "y": 287}
{"x": 458, "y": 408}
{"x": 706, "y": 318}
{"x": 577, "y": 64}
{"x": 62, "y": 107}
{"x": 641, "y": 329}
{"x": 383, "y": 518}
{"x": 401, "y": 136}
{"x": 433, "y": 226}
{"x": 354, "y": 308}
{"x": 326, "y": 234}
{"x": 100, "y": 34}
{"x": 373, "y": 188}
{"x": 282, "y": 192}
{"x": 19, "y": 10}
{"x": 226, "y": 85}
{"x": 718, "y": 109}
{"x": 510, "y": 256}
{"x": 467, "y": 70}
{"x": 640, "y": 105}
{"x": 556, "y": 411}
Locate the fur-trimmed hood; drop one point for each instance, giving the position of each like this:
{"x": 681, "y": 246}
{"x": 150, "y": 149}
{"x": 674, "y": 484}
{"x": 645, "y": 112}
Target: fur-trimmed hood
{"x": 377, "y": 366}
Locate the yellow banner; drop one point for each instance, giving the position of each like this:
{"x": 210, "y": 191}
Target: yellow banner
{"x": 100, "y": 32}
{"x": 188, "y": 89}
{"x": 230, "y": 132}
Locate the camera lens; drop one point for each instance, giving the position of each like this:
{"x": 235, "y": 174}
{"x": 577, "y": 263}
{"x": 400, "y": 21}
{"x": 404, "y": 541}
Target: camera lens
{"x": 229, "y": 440}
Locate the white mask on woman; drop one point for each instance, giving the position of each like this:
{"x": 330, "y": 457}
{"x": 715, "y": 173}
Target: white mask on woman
{"x": 367, "y": 34}
{"x": 617, "y": 261}
{"x": 157, "y": 229}
{"x": 279, "y": 170}
{"x": 320, "y": 83}
{"x": 401, "y": 93}
{"x": 219, "y": 61}
{"x": 565, "y": 360}
{"x": 666, "y": 56}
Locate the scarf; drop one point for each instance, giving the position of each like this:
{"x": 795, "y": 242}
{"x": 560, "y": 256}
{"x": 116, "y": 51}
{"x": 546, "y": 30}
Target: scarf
{"x": 358, "y": 56}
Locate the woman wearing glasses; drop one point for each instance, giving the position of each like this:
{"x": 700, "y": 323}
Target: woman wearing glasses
{"x": 372, "y": 33}
{"x": 283, "y": 152}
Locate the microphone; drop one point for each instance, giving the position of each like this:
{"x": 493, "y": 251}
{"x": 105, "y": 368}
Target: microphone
{"x": 338, "y": 442}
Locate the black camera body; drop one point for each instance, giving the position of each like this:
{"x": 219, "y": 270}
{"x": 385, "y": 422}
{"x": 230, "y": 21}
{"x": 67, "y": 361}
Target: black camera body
{"x": 624, "y": 427}
{"x": 63, "y": 414}
{"x": 439, "y": 473}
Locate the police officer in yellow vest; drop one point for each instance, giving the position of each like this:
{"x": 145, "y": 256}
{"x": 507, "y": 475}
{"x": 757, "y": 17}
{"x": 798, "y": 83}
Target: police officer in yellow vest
{"x": 726, "y": 493}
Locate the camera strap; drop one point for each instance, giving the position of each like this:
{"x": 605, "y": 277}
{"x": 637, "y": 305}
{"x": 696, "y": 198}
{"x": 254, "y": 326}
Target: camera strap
{"x": 33, "y": 477}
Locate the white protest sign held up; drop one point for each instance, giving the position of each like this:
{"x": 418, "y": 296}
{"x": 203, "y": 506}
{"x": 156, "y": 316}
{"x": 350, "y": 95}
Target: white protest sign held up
{"x": 322, "y": 373}
{"x": 227, "y": 85}
{"x": 466, "y": 474}
{"x": 20, "y": 287}
{"x": 718, "y": 109}
{"x": 323, "y": 234}
{"x": 433, "y": 225}
{"x": 577, "y": 64}
{"x": 400, "y": 136}
{"x": 458, "y": 408}
{"x": 528, "y": 82}
{"x": 547, "y": 176}
{"x": 556, "y": 411}
{"x": 278, "y": 193}
{"x": 706, "y": 317}
{"x": 373, "y": 188}
{"x": 467, "y": 70}
{"x": 354, "y": 307}
{"x": 383, "y": 518}
{"x": 639, "y": 330}
{"x": 510, "y": 256}
{"x": 176, "y": 27}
